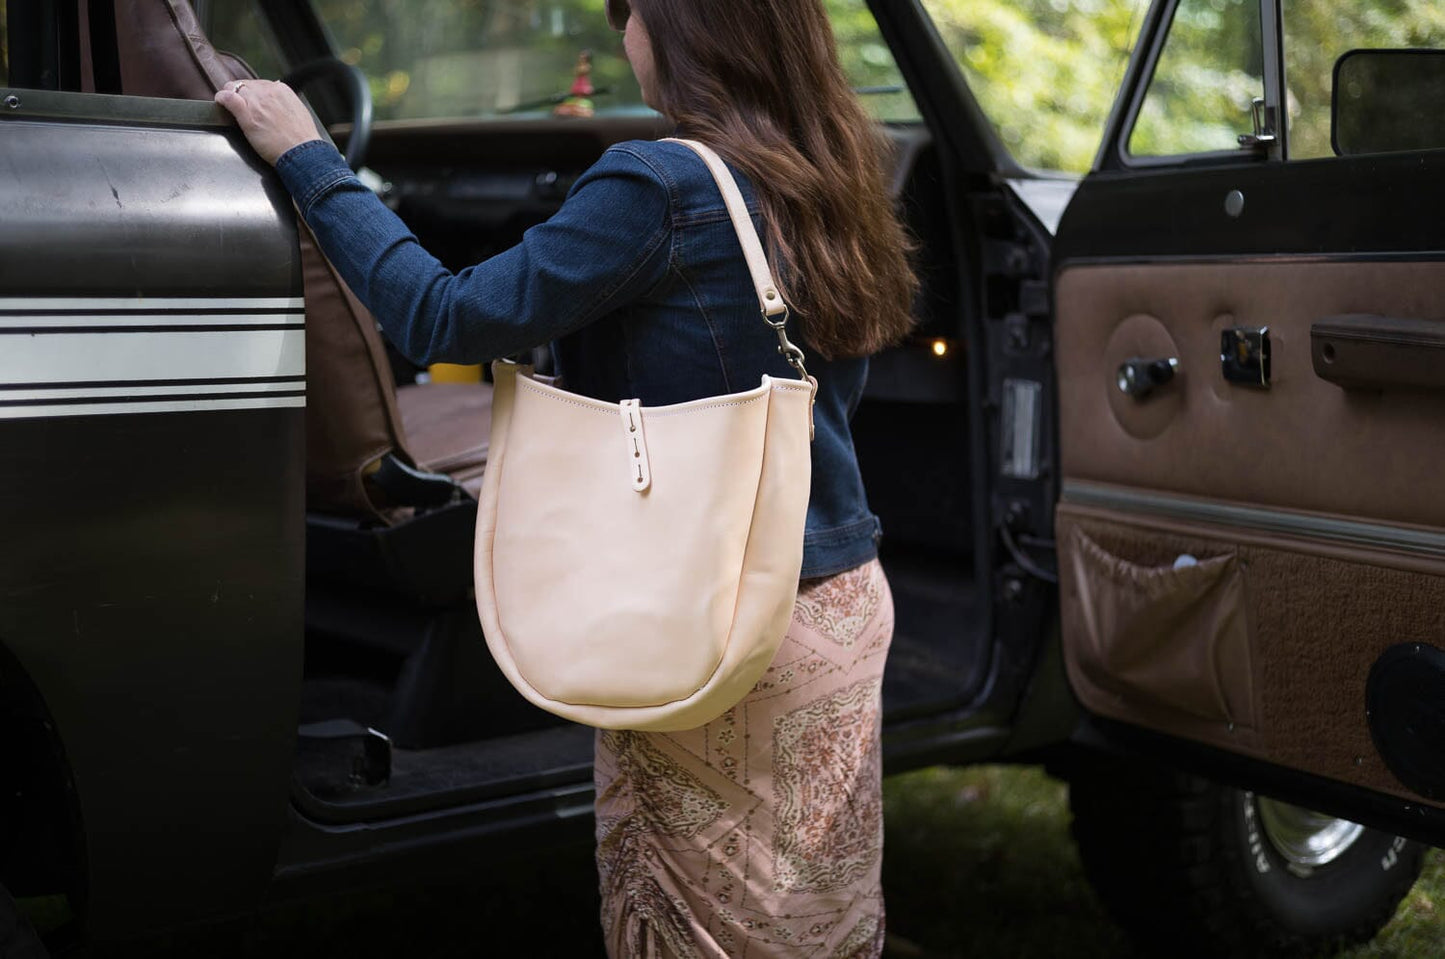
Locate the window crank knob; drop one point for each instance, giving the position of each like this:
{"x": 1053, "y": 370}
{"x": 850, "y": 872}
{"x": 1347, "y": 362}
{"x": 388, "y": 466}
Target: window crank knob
{"x": 1139, "y": 377}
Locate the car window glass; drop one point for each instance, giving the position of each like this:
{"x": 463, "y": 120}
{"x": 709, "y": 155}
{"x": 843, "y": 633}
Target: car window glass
{"x": 868, "y": 63}
{"x": 1044, "y": 71}
{"x": 30, "y": 54}
{"x": 1318, "y": 32}
{"x": 444, "y": 58}
{"x": 1208, "y": 74}
{"x": 237, "y": 27}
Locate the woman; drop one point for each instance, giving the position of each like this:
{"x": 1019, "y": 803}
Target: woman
{"x": 760, "y": 833}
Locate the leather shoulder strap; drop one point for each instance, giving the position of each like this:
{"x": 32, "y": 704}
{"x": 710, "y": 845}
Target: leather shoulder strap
{"x": 769, "y": 298}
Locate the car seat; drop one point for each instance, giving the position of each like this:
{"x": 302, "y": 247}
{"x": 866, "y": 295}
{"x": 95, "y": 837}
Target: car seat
{"x": 378, "y": 456}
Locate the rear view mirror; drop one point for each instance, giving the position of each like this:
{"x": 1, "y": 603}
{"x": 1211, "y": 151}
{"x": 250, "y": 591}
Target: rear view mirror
{"x": 1389, "y": 101}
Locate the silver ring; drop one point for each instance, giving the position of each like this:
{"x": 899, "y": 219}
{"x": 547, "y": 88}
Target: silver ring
{"x": 238, "y": 86}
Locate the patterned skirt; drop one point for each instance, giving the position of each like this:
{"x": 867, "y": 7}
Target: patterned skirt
{"x": 761, "y": 833}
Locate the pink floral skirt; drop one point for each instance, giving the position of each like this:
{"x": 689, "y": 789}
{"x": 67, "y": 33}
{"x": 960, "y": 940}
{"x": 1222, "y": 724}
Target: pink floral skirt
{"x": 760, "y": 834}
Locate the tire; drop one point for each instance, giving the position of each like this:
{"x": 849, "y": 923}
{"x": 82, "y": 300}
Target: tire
{"x": 1191, "y": 868}
{"x": 17, "y": 939}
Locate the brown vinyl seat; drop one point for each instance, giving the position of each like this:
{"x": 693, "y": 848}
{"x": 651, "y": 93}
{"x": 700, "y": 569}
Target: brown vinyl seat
{"x": 355, "y": 416}
{"x": 434, "y": 415}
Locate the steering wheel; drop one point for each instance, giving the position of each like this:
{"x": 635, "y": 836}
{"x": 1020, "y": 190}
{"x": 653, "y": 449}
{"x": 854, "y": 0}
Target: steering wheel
{"x": 358, "y": 91}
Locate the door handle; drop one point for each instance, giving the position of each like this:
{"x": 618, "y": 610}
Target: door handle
{"x": 1379, "y": 352}
{"x": 1139, "y": 377}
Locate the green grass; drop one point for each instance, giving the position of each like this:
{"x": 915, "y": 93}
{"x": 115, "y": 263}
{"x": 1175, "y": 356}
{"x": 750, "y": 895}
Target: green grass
{"x": 1416, "y": 931}
{"x": 977, "y": 863}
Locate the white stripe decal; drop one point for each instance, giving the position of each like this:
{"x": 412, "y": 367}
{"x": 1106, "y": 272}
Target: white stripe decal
{"x": 59, "y": 358}
{"x": 191, "y": 354}
{"x": 127, "y": 391}
{"x": 32, "y": 321}
{"x": 166, "y": 406}
{"x": 143, "y": 304}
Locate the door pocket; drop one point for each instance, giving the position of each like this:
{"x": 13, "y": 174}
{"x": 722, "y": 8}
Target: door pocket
{"x": 1173, "y": 638}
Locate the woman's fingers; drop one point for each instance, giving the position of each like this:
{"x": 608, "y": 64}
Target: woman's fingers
{"x": 233, "y": 103}
{"x": 270, "y": 114}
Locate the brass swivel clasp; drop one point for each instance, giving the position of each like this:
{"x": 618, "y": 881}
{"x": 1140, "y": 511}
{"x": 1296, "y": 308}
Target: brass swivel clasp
{"x": 790, "y": 350}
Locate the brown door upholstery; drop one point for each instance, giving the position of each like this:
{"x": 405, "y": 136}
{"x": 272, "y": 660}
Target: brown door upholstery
{"x": 352, "y": 419}
{"x": 1230, "y": 628}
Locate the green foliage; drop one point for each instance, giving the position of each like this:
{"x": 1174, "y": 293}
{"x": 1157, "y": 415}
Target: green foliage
{"x": 1210, "y": 71}
{"x": 1044, "y": 71}
{"x": 867, "y": 61}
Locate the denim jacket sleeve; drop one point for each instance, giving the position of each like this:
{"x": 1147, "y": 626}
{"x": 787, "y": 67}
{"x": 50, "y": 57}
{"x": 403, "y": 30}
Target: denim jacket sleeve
{"x": 608, "y": 245}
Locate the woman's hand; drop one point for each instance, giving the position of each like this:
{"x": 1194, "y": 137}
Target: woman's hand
{"x": 270, "y": 114}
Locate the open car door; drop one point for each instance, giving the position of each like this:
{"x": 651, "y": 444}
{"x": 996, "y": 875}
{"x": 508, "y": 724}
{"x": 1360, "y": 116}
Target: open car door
{"x": 1251, "y": 356}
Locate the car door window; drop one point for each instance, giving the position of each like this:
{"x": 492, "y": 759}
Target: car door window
{"x": 32, "y": 53}
{"x": 868, "y": 63}
{"x": 1211, "y": 68}
{"x": 1043, "y": 71}
{"x": 1318, "y": 32}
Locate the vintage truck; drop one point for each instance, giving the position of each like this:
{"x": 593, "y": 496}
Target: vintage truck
{"x": 1158, "y": 473}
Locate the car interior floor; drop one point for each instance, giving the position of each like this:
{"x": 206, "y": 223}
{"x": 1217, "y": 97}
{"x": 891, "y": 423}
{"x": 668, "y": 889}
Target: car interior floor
{"x": 934, "y": 662}
{"x": 494, "y": 740}
{"x": 939, "y": 651}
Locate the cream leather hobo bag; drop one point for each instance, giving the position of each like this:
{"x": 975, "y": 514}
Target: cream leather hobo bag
{"x": 636, "y": 567}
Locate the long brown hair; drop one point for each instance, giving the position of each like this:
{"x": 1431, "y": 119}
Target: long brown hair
{"x": 759, "y": 81}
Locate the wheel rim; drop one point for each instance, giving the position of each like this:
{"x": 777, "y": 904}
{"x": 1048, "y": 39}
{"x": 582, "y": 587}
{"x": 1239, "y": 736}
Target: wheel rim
{"x": 1304, "y": 839}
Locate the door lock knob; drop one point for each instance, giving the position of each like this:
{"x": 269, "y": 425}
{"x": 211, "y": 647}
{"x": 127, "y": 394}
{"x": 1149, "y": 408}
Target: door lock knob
{"x": 1139, "y": 377}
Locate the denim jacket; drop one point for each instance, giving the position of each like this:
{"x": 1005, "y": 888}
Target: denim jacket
{"x": 638, "y": 282}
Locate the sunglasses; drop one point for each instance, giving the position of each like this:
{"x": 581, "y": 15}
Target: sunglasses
{"x": 618, "y": 13}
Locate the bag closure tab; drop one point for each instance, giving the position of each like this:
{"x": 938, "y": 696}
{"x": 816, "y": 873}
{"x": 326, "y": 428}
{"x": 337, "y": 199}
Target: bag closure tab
{"x": 638, "y": 468}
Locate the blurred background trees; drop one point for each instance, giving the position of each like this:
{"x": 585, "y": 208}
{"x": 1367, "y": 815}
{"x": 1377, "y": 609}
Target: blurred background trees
{"x": 1045, "y": 71}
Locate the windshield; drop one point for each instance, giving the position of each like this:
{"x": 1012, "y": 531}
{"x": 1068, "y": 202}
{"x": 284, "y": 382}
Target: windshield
{"x": 453, "y": 58}
{"x": 469, "y": 58}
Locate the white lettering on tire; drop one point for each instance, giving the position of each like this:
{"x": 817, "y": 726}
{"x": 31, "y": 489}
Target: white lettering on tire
{"x": 1252, "y": 835}
{"x": 1392, "y": 855}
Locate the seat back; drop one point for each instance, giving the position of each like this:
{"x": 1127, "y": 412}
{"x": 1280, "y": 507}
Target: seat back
{"x": 352, "y": 420}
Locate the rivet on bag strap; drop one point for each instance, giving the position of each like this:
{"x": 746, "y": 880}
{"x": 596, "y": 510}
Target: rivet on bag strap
{"x": 775, "y": 310}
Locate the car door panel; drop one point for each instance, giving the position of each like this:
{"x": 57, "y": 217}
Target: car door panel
{"x": 152, "y": 400}
{"x": 1309, "y": 508}
{"x": 1317, "y": 447}
{"x": 1277, "y": 661}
